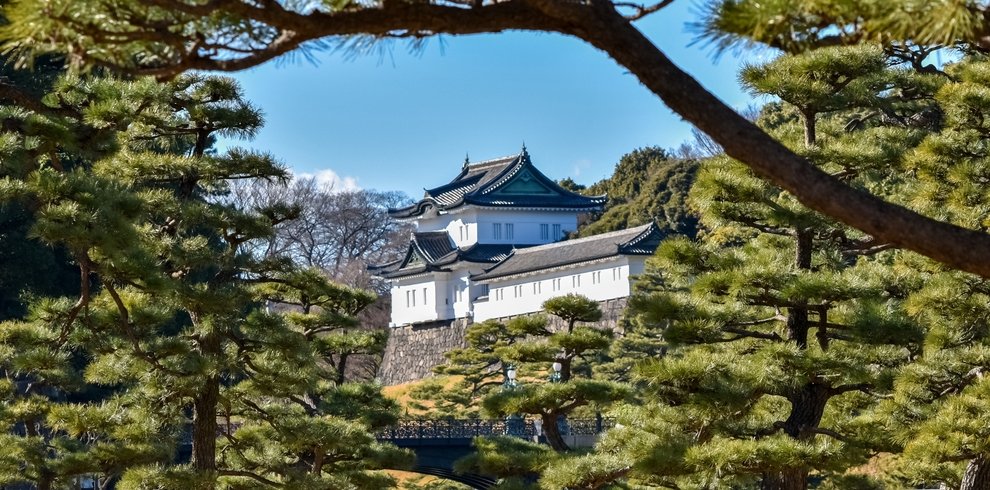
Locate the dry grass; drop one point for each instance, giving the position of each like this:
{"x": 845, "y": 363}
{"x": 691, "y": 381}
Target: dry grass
{"x": 407, "y": 479}
{"x": 401, "y": 394}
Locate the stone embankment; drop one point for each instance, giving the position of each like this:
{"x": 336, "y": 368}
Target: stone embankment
{"x": 414, "y": 350}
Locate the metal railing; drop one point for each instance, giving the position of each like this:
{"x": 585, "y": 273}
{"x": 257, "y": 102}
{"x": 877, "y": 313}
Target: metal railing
{"x": 468, "y": 428}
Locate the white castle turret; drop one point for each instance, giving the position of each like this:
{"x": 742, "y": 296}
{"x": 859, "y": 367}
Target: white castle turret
{"x": 487, "y": 245}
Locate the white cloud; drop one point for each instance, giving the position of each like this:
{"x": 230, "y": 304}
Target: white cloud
{"x": 331, "y": 179}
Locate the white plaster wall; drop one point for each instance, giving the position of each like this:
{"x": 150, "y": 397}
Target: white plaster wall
{"x": 460, "y": 293}
{"x": 520, "y": 295}
{"x": 461, "y": 226}
{"x": 428, "y": 306}
{"x": 526, "y": 225}
{"x": 475, "y": 225}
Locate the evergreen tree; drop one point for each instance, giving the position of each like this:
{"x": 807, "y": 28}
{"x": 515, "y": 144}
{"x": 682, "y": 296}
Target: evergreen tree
{"x": 532, "y": 346}
{"x": 782, "y": 325}
{"x": 30, "y": 267}
{"x": 171, "y": 317}
{"x": 647, "y": 185}
{"x": 938, "y": 412}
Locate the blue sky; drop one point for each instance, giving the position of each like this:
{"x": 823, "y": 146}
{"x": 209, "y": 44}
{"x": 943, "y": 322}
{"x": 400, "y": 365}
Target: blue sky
{"x": 404, "y": 121}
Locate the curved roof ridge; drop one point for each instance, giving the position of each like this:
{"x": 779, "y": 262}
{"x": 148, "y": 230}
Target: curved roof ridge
{"x": 566, "y": 243}
{"x": 479, "y": 184}
{"x": 499, "y": 160}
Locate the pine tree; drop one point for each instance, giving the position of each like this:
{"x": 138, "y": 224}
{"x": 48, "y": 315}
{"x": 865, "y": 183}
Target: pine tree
{"x": 938, "y": 412}
{"x": 172, "y": 318}
{"x": 30, "y": 268}
{"x": 532, "y": 346}
{"x": 648, "y": 184}
{"x": 782, "y": 325}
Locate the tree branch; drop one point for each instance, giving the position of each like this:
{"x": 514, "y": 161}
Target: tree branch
{"x": 253, "y": 476}
{"x": 601, "y": 25}
{"x": 828, "y": 432}
{"x": 838, "y": 390}
{"x": 755, "y": 335}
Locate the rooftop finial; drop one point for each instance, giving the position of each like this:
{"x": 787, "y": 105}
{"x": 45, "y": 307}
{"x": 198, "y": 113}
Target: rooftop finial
{"x": 467, "y": 160}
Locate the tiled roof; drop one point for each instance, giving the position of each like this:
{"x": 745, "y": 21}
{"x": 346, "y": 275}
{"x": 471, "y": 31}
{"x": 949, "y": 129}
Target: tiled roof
{"x": 433, "y": 251}
{"x": 642, "y": 240}
{"x": 488, "y": 183}
{"x": 433, "y": 245}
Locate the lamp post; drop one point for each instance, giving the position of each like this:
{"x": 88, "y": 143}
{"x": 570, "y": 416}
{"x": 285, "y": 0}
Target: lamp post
{"x": 510, "y": 377}
{"x": 515, "y": 425}
{"x": 562, "y": 427}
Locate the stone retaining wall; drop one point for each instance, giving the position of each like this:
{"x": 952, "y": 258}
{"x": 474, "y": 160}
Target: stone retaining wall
{"x": 414, "y": 350}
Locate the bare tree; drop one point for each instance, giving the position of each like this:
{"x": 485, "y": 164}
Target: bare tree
{"x": 339, "y": 232}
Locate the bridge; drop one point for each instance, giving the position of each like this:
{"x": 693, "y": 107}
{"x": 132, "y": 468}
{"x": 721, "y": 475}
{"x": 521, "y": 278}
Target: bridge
{"x": 439, "y": 443}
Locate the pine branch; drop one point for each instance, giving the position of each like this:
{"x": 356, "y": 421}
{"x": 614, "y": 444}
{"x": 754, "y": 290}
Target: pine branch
{"x": 604, "y": 479}
{"x": 123, "y": 319}
{"x": 642, "y": 10}
{"x": 776, "y": 318}
{"x": 764, "y": 228}
{"x": 12, "y": 93}
{"x": 253, "y": 476}
{"x": 743, "y": 333}
{"x": 598, "y": 23}
{"x": 860, "y": 248}
{"x": 769, "y": 431}
{"x": 308, "y": 406}
{"x": 863, "y": 387}
{"x": 828, "y": 432}
{"x": 268, "y": 417}
{"x": 964, "y": 381}
{"x": 85, "y": 265}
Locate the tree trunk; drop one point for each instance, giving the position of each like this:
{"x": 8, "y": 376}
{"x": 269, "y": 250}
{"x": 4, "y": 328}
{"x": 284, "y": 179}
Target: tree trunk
{"x": 204, "y": 433}
{"x": 565, "y": 369}
{"x": 204, "y": 436}
{"x": 807, "y": 404}
{"x": 977, "y": 475}
{"x": 810, "y": 134}
{"x": 552, "y": 432}
{"x": 341, "y": 377}
{"x": 789, "y": 479}
{"x": 797, "y": 318}
{"x": 807, "y": 408}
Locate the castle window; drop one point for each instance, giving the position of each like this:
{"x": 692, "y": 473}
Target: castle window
{"x": 424, "y": 296}
{"x": 544, "y": 232}
{"x": 596, "y": 277}
{"x": 556, "y": 284}
{"x": 497, "y": 231}
{"x": 556, "y": 232}
{"x": 576, "y": 281}
{"x": 536, "y": 287}
{"x": 410, "y": 298}
{"x": 509, "y": 231}
{"x": 460, "y": 229}
{"x": 517, "y": 291}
